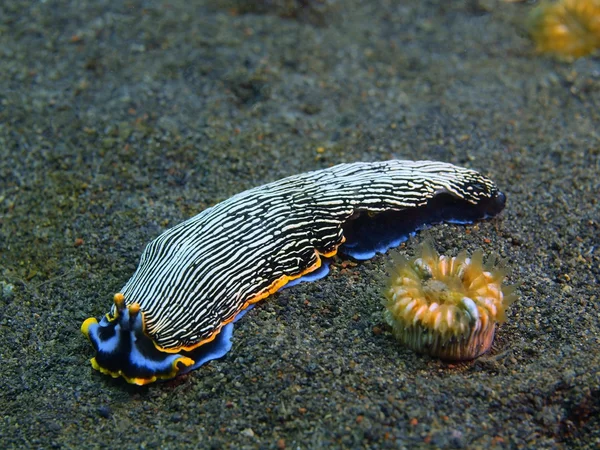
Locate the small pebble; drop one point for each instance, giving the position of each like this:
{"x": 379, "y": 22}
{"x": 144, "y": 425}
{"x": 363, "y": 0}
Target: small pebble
{"x": 247, "y": 432}
{"x": 8, "y": 290}
{"x": 104, "y": 411}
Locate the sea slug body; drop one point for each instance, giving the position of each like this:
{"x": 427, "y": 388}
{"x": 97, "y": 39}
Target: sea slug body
{"x": 193, "y": 281}
{"x": 447, "y": 307}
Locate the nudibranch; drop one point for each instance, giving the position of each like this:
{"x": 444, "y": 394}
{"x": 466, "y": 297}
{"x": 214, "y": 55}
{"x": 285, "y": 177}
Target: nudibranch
{"x": 447, "y": 307}
{"x": 194, "y": 280}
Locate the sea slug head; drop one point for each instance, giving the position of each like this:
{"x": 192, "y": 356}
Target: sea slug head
{"x": 447, "y": 307}
{"x": 124, "y": 350}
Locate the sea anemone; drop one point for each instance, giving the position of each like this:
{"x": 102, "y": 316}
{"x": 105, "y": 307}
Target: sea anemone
{"x": 447, "y": 307}
{"x": 567, "y": 28}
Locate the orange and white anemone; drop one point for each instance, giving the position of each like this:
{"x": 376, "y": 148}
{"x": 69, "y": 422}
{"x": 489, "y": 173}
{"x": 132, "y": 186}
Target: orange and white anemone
{"x": 567, "y": 28}
{"x": 447, "y": 307}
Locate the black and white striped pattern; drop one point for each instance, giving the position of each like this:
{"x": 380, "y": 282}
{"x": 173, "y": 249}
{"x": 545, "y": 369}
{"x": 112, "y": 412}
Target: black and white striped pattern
{"x": 201, "y": 273}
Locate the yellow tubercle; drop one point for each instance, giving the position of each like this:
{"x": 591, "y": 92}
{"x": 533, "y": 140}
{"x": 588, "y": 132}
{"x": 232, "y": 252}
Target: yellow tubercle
{"x": 119, "y": 299}
{"x": 134, "y": 308}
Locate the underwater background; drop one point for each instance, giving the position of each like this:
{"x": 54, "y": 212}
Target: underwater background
{"x": 119, "y": 120}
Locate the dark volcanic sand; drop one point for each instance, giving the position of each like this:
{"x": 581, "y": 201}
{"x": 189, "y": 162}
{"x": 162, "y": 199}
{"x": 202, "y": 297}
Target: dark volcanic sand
{"x": 117, "y": 122}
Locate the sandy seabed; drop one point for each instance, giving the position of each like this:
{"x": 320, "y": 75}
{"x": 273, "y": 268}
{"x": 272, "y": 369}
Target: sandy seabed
{"x": 118, "y": 121}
